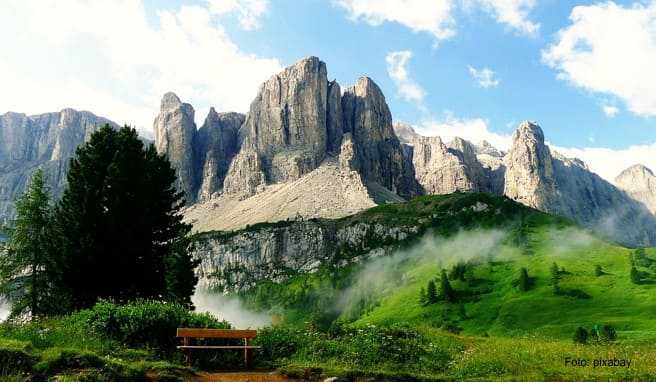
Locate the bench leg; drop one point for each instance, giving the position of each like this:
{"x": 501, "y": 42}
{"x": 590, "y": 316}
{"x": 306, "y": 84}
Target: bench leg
{"x": 248, "y": 354}
{"x": 186, "y": 352}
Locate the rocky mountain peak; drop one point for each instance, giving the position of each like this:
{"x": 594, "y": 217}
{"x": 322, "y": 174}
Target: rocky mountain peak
{"x": 529, "y": 176}
{"x": 635, "y": 171}
{"x": 640, "y": 183}
{"x": 170, "y": 101}
{"x": 529, "y": 132}
{"x": 175, "y": 132}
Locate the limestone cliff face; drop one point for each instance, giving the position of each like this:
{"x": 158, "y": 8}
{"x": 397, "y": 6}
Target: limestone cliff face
{"x": 287, "y": 121}
{"x": 44, "y": 141}
{"x": 379, "y": 153}
{"x": 640, "y": 183}
{"x": 235, "y": 262}
{"x": 175, "y": 133}
{"x": 529, "y": 177}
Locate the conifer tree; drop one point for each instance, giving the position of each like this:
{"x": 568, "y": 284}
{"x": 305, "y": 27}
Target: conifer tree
{"x": 28, "y": 265}
{"x": 122, "y": 232}
{"x": 524, "y": 280}
{"x": 431, "y": 293}
{"x": 581, "y": 335}
{"x": 423, "y": 297}
{"x": 446, "y": 291}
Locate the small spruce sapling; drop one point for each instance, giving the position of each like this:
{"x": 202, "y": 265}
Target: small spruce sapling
{"x": 581, "y": 335}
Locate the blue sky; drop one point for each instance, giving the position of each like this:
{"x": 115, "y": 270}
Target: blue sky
{"x": 581, "y": 69}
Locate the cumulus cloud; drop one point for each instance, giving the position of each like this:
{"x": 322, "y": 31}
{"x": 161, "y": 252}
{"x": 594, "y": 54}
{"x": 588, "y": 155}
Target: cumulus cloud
{"x": 512, "y": 13}
{"x": 432, "y": 17}
{"x": 437, "y": 16}
{"x": 610, "y": 49}
{"x": 484, "y": 77}
{"x": 249, "y": 11}
{"x": 111, "y": 59}
{"x": 610, "y": 110}
{"x": 397, "y": 69}
{"x": 474, "y": 130}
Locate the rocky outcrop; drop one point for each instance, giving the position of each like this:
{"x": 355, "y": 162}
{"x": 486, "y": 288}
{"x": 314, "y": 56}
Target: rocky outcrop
{"x": 379, "y": 153}
{"x": 217, "y": 142}
{"x": 287, "y": 123}
{"x": 236, "y": 261}
{"x": 44, "y": 141}
{"x": 640, "y": 183}
{"x": 175, "y": 134}
{"x": 553, "y": 183}
{"x": 529, "y": 177}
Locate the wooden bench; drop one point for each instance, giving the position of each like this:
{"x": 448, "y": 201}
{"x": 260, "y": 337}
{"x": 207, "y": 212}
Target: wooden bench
{"x": 187, "y": 334}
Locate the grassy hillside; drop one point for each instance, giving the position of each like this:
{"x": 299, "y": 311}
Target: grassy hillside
{"x": 494, "y": 326}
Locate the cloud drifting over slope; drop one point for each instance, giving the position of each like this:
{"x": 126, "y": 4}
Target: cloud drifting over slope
{"x": 108, "y": 57}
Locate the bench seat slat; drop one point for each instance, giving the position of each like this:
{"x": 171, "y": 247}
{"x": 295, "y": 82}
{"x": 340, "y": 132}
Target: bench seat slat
{"x": 215, "y": 333}
{"x": 218, "y": 347}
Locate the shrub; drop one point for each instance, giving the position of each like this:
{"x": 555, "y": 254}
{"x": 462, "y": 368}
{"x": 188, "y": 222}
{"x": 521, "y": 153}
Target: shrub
{"x": 14, "y": 357}
{"x": 581, "y": 335}
{"x": 144, "y": 324}
{"x": 607, "y": 333}
{"x": 598, "y": 270}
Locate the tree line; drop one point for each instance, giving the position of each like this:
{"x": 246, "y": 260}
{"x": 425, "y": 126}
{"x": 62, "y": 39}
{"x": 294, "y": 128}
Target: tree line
{"x": 116, "y": 233}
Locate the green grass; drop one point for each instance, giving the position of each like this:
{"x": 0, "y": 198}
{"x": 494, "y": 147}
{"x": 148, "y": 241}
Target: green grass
{"x": 503, "y": 332}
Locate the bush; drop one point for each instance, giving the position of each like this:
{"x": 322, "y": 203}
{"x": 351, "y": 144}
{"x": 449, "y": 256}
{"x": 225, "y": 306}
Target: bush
{"x": 581, "y": 335}
{"x": 144, "y": 324}
{"x": 607, "y": 333}
{"x": 14, "y": 357}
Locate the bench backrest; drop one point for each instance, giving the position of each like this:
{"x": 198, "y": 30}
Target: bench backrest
{"x": 215, "y": 333}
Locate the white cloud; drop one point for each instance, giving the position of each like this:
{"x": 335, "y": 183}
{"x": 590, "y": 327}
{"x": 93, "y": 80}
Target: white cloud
{"x": 249, "y": 11}
{"x": 437, "y": 16}
{"x": 484, "y": 77}
{"x": 608, "y": 163}
{"x": 610, "y": 110}
{"x": 107, "y": 57}
{"x": 610, "y": 49}
{"x": 474, "y": 130}
{"x": 397, "y": 69}
{"x": 433, "y": 17}
{"x": 513, "y": 13}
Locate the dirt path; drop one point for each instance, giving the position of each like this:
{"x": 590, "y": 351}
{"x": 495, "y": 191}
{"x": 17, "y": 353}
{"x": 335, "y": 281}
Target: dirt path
{"x": 240, "y": 377}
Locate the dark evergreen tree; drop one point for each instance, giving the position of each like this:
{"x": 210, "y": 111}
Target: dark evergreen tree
{"x": 581, "y": 335}
{"x": 28, "y": 265}
{"x": 431, "y": 293}
{"x": 446, "y": 291}
{"x": 122, "y": 234}
{"x": 555, "y": 274}
{"x": 607, "y": 333}
{"x": 598, "y": 270}
{"x": 423, "y": 297}
{"x": 636, "y": 277}
{"x": 524, "y": 280}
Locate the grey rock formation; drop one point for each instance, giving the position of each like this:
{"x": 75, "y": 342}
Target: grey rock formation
{"x": 552, "y": 183}
{"x": 640, "y": 183}
{"x": 216, "y": 143}
{"x": 379, "y": 153}
{"x": 236, "y": 262}
{"x": 529, "y": 177}
{"x": 175, "y": 132}
{"x": 287, "y": 122}
{"x": 44, "y": 141}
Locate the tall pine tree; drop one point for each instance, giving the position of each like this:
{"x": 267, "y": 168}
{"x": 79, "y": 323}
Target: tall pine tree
{"x": 122, "y": 232}
{"x": 28, "y": 264}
